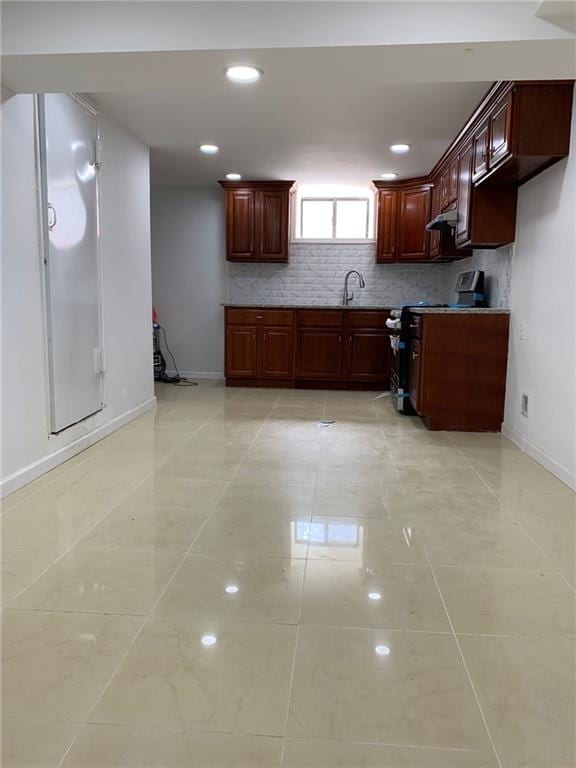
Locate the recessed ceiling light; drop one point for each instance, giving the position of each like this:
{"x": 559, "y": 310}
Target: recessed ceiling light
{"x": 233, "y": 176}
{"x": 374, "y": 595}
{"x": 208, "y": 640}
{"x": 382, "y": 650}
{"x": 389, "y": 176}
{"x": 400, "y": 149}
{"x": 243, "y": 73}
{"x": 209, "y": 149}
{"x": 232, "y": 589}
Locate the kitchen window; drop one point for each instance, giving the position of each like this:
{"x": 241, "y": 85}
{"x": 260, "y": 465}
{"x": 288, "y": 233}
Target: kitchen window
{"x": 335, "y": 217}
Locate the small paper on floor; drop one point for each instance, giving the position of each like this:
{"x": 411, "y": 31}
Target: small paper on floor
{"x": 325, "y": 423}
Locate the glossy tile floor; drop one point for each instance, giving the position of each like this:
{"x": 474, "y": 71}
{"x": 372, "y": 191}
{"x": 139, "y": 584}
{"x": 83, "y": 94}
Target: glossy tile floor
{"x": 223, "y": 583}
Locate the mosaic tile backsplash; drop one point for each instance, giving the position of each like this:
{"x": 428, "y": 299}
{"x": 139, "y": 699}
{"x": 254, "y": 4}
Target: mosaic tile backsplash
{"x": 316, "y": 271}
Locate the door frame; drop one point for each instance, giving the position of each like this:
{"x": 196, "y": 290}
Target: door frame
{"x": 43, "y": 250}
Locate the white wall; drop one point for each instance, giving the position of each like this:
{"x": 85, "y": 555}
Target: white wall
{"x": 543, "y": 306}
{"x": 28, "y": 449}
{"x": 190, "y": 276}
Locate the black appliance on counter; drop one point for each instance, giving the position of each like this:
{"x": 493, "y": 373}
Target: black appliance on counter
{"x": 470, "y": 289}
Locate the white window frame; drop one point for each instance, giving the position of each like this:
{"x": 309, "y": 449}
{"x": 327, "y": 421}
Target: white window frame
{"x": 334, "y": 200}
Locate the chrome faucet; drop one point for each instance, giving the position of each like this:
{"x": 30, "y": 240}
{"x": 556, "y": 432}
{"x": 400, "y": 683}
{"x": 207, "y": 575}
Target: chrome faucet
{"x": 347, "y": 297}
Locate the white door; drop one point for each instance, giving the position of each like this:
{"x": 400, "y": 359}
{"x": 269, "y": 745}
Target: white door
{"x": 68, "y": 148}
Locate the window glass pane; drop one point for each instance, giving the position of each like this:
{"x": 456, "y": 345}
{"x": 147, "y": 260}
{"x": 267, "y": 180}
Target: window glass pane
{"x": 351, "y": 218}
{"x": 317, "y": 218}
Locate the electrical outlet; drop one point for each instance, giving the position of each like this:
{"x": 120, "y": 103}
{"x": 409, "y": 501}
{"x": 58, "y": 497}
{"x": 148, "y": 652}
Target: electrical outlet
{"x": 522, "y": 332}
{"x": 524, "y": 405}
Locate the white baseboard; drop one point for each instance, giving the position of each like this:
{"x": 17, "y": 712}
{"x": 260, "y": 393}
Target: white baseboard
{"x": 559, "y": 471}
{"x": 216, "y": 375}
{"x": 38, "y": 468}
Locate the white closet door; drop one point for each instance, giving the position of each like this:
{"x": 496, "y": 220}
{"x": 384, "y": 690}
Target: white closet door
{"x": 68, "y": 140}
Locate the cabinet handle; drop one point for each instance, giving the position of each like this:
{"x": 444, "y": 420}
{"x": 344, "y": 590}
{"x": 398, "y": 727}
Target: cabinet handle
{"x": 258, "y": 317}
{"x": 414, "y": 355}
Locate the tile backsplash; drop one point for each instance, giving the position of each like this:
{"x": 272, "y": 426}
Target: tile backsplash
{"x": 315, "y": 275}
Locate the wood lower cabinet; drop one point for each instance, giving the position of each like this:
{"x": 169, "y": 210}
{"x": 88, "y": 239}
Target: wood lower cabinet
{"x": 368, "y": 356}
{"x": 319, "y": 354}
{"x": 346, "y": 348}
{"x": 458, "y": 370}
{"x": 241, "y": 352}
{"x": 276, "y": 352}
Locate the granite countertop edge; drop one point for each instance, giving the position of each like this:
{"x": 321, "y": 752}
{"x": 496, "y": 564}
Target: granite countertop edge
{"x": 416, "y": 310}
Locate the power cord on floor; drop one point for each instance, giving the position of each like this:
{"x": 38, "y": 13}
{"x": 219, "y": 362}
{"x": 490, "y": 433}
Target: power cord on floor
{"x": 178, "y": 380}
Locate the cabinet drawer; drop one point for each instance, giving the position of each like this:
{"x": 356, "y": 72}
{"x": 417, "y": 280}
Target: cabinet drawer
{"x": 361, "y": 318}
{"x": 237, "y": 316}
{"x": 320, "y": 318}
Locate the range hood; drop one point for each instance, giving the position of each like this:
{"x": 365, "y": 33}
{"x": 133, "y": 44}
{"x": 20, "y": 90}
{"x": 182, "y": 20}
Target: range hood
{"x": 443, "y": 222}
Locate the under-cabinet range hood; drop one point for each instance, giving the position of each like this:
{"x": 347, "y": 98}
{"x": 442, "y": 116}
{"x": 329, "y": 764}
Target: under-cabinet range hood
{"x": 443, "y": 222}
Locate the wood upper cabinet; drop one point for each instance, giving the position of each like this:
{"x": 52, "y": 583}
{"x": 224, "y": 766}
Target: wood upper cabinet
{"x": 387, "y": 212}
{"x": 480, "y": 151}
{"x": 413, "y": 215}
{"x": 257, "y": 220}
{"x": 449, "y": 184}
{"x": 403, "y": 212}
{"x": 500, "y": 131}
{"x": 272, "y": 214}
{"x": 240, "y": 222}
{"x": 464, "y": 194}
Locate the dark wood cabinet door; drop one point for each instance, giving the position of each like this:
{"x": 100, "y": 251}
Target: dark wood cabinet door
{"x": 387, "y": 203}
{"x": 241, "y": 352}
{"x": 240, "y": 225}
{"x": 444, "y": 185}
{"x": 276, "y": 353}
{"x": 464, "y": 196}
{"x": 415, "y": 374}
{"x": 453, "y": 181}
{"x": 500, "y": 131}
{"x": 319, "y": 354}
{"x": 272, "y": 208}
{"x": 480, "y": 152}
{"x": 368, "y": 356}
{"x": 413, "y": 215}
{"x": 435, "y": 209}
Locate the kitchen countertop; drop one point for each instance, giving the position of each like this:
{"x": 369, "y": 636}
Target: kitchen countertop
{"x": 459, "y": 310}
{"x": 304, "y": 306}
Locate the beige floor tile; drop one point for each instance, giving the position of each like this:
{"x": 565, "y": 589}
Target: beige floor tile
{"x": 22, "y": 565}
{"x": 441, "y": 506}
{"x": 147, "y": 529}
{"x": 252, "y": 475}
{"x": 240, "y": 589}
{"x": 480, "y": 542}
{"x": 555, "y": 533}
{"x": 55, "y": 665}
{"x": 165, "y": 493}
{"x": 505, "y": 601}
{"x": 172, "y": 679}
{"x": 336, "y": 500}
{"x": 526, "y": 690}
{"x": 364, "y": 540}
{"x": 115, "y": 746}
{"x": 101, "y": 581}
{"x": 210, "y": 467}
{"x": 35, "y": 743}
{"x": 395, "y": 596}
{"x": 450, "y": 479}
{"x": 299, "y": 753}
{"x": 233, "y": 532}
{"x": 381, "y": 686}
{"x": 243, "y": 497}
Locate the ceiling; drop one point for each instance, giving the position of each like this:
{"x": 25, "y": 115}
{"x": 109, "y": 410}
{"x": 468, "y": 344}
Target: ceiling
{"x": 318, "y": 129}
